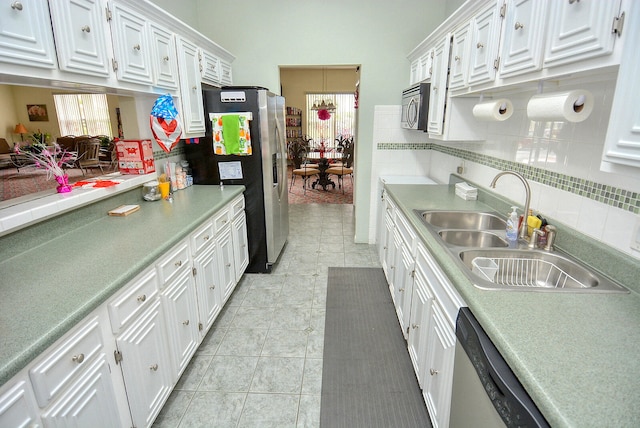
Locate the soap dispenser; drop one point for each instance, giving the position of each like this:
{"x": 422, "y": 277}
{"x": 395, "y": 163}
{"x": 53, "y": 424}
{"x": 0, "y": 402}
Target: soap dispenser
{"x": 512, "y": 226}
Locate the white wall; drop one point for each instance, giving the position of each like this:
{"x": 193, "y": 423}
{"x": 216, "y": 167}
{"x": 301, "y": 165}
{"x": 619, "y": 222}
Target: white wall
{"x": 376, "y": 34}
{"x": 571, "y": 149}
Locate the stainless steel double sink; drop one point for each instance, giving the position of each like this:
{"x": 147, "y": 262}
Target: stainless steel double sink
{"x": 477, "y": 242}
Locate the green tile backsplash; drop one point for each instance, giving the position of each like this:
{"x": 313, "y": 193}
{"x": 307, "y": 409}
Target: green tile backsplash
{"x": 624, "y": 199}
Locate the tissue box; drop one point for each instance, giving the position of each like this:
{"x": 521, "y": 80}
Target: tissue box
{"x": 466, "y": 192}
{"x": 135, "y": 156}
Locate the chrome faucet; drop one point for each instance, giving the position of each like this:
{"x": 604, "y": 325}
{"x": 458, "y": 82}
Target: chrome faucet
{"x": 527, "y": 189}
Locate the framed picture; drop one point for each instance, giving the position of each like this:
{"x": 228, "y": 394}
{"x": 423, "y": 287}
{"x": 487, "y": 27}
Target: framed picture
{"x": 37, "y": 112}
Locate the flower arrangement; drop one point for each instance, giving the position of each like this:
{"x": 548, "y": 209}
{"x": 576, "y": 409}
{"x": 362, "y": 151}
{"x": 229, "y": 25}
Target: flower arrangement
{"x": 53, "y": 160}
{"x": 324, "y": 114}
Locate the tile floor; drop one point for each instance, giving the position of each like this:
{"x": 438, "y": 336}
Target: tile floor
{"x": 261, "y": 363}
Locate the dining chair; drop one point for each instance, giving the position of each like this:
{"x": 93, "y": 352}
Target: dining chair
{"x": 305, "y": 171}
{"x": 344, "y": 167}
{"x": 88, "y": 155}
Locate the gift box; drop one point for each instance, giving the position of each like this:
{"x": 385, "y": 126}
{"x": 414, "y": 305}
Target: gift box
{"x": 135, "y": 156}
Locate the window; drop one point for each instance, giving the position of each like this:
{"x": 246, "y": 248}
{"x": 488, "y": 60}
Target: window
{"x": 83, "y": 114}
{"x": 342, "y": 120}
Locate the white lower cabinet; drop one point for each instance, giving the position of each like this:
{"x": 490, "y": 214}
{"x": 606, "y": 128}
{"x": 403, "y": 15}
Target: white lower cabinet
{"x": 179, "y": 300}
{"x": 208, "y": 287}
{"x": 18, "y": 405}
{"x": 118, "y": 366}
{"x": 89, "y": 402}
{"x": 146, "y": 365}
{"x": 427, "y": 305}
{"x": 240, "y": 245}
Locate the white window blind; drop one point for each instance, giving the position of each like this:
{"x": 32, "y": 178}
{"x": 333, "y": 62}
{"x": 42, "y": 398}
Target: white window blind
{"x": 341, "y": 123}
{"x": 83, "y": 114}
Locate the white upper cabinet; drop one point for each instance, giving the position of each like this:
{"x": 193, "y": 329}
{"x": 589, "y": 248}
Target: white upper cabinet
{"x": 211, "y": 69}
{"x": 164, "y": 57}
{"x": 484, "y": 45}
{"x": 459, "y": 57}
{"x": 227, "y": 76}
{"x": 190, "y": 88}
{"x": 82, "y": 36}
{"x": 622, "y": 143}
{"x": 26, "y": 37}
{"x": 131, "y": 46}
{"x": 438, "y": 95}
{"x": 523, "y": 36}
{"x": 580, "y": 30}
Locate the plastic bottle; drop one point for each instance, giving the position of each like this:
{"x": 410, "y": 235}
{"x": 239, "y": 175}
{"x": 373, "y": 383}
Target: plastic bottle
{"x": 512, "y": 226}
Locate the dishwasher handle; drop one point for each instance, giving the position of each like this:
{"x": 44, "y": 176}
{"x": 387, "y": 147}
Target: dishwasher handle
{"x": 510, "y": 399}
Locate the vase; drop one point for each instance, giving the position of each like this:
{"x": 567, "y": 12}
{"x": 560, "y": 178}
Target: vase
{"x": 63, "y": 184}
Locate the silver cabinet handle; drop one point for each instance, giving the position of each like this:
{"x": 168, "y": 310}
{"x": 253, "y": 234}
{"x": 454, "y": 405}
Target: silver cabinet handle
{"x": 479, "y": 45}
{"x": 212, "y": 287}
{"x": 401, "y": 290}
{"x": 433, "y": 372}
{"x": 136, "y": 47}
{"x": 194, "y": 88}
{"x": 185, "y": 322}
{"x": 166, "y": 59}
{"x": 518, "y": 26}
{"x": 228, "y": 264}
{"x": 574, "y": 1}
{"x": 16, "y": 5}
{"x": 178, "y": 263}
{"x": 457, "y": 58}
{"x": 414, "y": 326}
{"x": 142, "y": 298}
{"x": 78, "y": 358}
{"x": 86, "y": 29}
{"x": 154, "y": 367}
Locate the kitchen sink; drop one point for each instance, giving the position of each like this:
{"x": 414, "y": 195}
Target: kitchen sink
{"x": 474, "y": 220}
{"x": 472, "y": 238}
{"x": 526, "y": 269}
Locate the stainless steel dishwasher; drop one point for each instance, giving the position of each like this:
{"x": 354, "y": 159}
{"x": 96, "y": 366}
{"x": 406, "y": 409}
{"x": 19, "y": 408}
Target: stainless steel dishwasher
{"x": 486, "y": 393}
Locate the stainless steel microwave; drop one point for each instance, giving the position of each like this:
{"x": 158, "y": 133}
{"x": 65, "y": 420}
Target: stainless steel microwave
{"x": 415, "y": 106}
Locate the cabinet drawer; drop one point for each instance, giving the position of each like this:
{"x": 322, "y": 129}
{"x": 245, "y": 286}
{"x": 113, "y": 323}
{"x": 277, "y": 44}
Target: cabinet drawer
{"x": 173, "y": 263}
{"x": 221, "y": 219}
{"x": 59, "y": 366}
{"x": 202, "y": 237}
{"x": 133, "y": 300}
{"x": 406, "y": 231}
{"x": 237, "y": 206}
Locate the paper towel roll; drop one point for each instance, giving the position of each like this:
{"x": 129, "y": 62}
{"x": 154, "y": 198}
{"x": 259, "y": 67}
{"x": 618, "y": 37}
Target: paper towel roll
{"x": 496, "y": 110}
{"x": 571, "y": 106}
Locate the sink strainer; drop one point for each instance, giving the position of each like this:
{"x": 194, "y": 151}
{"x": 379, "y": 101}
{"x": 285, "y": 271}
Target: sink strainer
{"x": 524, "y": 272}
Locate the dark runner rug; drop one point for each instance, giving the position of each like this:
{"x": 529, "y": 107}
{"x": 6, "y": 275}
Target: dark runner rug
{"x": 367, "y": 375}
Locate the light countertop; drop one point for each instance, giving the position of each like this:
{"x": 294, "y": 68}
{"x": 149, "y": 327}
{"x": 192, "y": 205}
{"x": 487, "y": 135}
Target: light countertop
{"x": 576, "y": 354}
{"x": 52, "y": 279}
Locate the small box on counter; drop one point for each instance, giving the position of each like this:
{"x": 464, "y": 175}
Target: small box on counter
{"x": 135, "y": 156}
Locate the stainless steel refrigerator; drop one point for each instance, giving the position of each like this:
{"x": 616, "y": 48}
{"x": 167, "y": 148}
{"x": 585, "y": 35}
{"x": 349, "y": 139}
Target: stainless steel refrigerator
{"x": 263, "y": 173}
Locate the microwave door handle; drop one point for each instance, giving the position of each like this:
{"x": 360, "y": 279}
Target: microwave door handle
{"x": 412, "y": 112}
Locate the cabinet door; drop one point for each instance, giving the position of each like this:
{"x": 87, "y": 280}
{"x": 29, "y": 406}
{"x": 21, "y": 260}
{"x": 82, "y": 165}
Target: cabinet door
{"x": 441, "y": 341}
{"x": 523, "y": 37}
{"x": 89, "y": 402}
{"x": 579, "y": 30}
{"x": 190, "y": 91}
{"x": 82, "y": 36}
{"x": 226, "y": 270}
{"x": 145, "y": 365}
{"x": 26, "y": 37}
{"x": 421, "y": 301}
{"x": 240, "y": 245}
{"x": 131, "y": 45}
{"x": 622, "y": 143}
{"x": 425, "y": 66}
{"x": 227, "y": 76}
{"x": 18, "y": 407}
{"x": 211, "y": 70}
{"x": 403, "y": 285}
{"x": 207, "y": 285}
{"x": 414, "y": 74}
{"x": 459, "y": 58}
{"x": 437, "y": 98}
{"x": 179, "y": 301}
{"x": 484, "y": 43}
{"x": 164, "y": 57}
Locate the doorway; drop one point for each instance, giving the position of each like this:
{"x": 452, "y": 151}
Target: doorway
{"x": 322, "y": 114}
